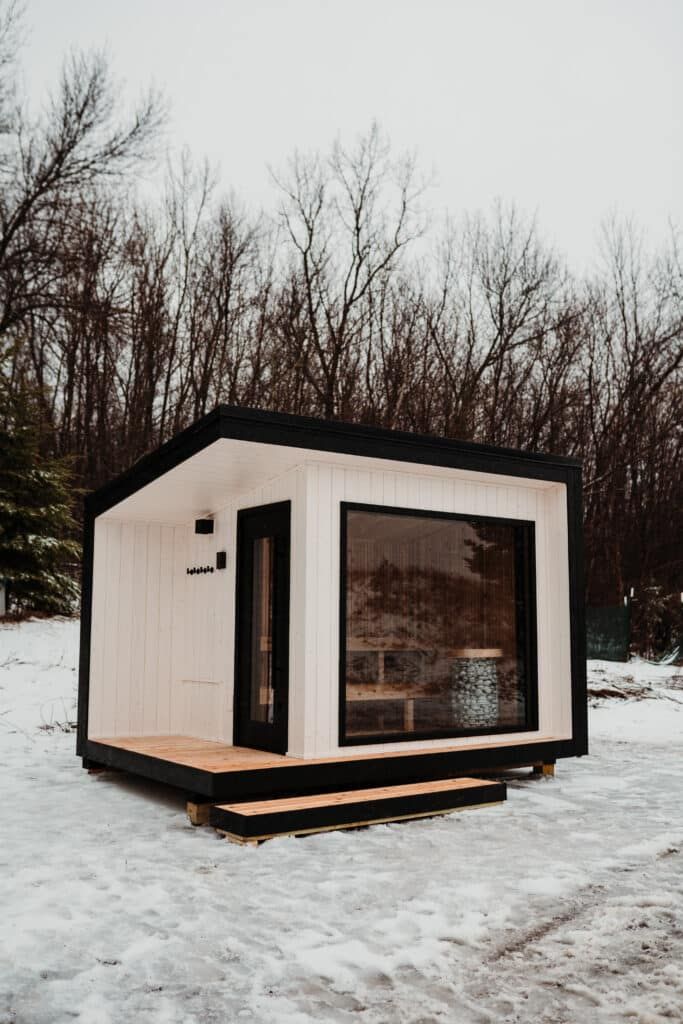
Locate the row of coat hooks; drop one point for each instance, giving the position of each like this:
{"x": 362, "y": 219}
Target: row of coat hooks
{"x": 221, "y": 563}
{"x": 205, "y": 527}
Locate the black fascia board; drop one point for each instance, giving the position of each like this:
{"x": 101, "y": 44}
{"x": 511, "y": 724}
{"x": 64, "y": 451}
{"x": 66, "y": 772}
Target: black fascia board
{"x": 335, "y": 437}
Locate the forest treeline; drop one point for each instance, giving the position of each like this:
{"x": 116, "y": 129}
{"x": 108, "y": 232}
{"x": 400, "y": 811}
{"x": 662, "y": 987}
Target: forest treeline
{"x": 122, "y": 320}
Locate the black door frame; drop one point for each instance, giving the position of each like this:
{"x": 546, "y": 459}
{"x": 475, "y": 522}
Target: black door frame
{"x": 262, "y": 521}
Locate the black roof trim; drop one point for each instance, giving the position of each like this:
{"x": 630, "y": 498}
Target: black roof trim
{"x": 228, "y": 421}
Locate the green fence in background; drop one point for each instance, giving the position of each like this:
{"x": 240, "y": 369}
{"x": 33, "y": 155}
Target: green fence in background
{"x": 608, "y": 633}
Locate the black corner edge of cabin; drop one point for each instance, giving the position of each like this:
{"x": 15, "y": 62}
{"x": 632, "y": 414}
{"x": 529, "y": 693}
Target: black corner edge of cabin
{"x": 85, "y": 631}
{"x": 577, "y": 611}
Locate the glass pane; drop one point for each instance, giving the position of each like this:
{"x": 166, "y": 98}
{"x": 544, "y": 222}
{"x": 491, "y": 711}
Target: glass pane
{"x": 262, "y": 695}
{"x": 436, "y": 625}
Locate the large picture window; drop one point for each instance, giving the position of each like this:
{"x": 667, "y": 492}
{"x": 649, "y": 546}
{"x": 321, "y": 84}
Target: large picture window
{"x": 438, "y": 625}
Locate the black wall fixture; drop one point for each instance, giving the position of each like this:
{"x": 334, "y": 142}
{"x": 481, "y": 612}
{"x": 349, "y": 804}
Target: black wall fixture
{"x": 203, "y": 526}
{"x": 221, "y": 560}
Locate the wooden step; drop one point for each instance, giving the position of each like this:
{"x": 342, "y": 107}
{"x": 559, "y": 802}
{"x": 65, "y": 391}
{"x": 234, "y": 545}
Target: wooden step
{"x": 322, "y": 812}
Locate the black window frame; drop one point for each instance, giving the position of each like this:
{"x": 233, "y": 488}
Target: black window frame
{"x": 525, "y": 598}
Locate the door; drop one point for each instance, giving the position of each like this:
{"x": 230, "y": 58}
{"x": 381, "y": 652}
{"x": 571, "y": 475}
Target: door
{"x": 262, "y": 624}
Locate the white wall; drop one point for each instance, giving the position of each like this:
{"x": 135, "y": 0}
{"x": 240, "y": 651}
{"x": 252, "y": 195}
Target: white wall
{"x": 162, "y": 646}
{"x": 138, "y": 601}
{"x": 327, "y": 486}
{"x": 162, "y": 649}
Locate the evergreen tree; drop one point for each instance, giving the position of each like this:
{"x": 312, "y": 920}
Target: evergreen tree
{"x": 36, "y": 527}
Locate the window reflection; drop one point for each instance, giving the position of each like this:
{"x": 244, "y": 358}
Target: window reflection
{"x": 261, "y": 689}
{"x": 437, "y": 615}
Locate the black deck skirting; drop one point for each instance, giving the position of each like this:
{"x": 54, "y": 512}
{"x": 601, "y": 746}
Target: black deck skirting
{"x": 330, "y": 776}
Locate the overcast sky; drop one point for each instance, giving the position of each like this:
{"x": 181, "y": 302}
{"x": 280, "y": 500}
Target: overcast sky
{"x": 571, "y": 109}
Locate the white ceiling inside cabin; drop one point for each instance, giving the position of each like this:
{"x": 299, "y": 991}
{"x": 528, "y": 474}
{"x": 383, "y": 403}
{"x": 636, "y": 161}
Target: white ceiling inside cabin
{"x": 209, "y": 480}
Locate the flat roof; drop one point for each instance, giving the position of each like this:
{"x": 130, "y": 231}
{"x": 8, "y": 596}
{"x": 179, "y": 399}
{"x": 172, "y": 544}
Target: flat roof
{"x": 283, "y": 441}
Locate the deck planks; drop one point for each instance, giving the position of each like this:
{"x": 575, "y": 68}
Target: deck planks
{"x": 209, "y": 756}
{"x": 255, "y": 821}
{"x": 296, "y": 803}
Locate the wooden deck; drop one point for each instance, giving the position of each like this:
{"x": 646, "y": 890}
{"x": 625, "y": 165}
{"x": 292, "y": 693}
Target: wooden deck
{"x": 205, "y": 755}
{"x": 208, "y": 756}
{"x": 210, "y": 772}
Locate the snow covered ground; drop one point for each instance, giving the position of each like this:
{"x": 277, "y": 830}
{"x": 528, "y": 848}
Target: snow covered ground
{"x": 564, "y": 905}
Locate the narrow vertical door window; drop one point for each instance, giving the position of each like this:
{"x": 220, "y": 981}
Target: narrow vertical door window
{"x": 262, "y": 627}
{"x": 261, "y": 689}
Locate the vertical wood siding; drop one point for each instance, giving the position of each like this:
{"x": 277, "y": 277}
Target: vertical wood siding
{"x": 327, "y": 486}
{"x": 136, "y": 611}
{"x": 162, "y": 646}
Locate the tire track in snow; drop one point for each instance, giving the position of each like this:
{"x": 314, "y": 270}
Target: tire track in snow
{"x": 615, "y": 953}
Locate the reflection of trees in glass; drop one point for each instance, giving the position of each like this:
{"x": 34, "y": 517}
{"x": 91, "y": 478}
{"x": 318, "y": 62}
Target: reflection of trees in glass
{"x": 453, "y": 589}
{"x": 440, "y": 587}
{"x": 432, "y": 604}
{"x": 491, "y": 559}
{"x": 405, "y": 605}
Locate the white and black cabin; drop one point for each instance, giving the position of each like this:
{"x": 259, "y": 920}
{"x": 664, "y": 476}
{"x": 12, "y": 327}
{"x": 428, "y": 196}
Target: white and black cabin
{"x": 275, "y": 604}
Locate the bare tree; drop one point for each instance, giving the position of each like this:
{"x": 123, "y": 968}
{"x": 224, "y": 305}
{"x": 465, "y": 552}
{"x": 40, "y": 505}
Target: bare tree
{"x": 501, "y": 307}
{"x": 48, "y": 166}
{"x": 126, "y": 320}
{"x": 633, "y": 363}
{"x": 347, "y": 220}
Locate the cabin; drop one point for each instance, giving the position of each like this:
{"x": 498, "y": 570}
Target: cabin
{"x": 304, "y": 624}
